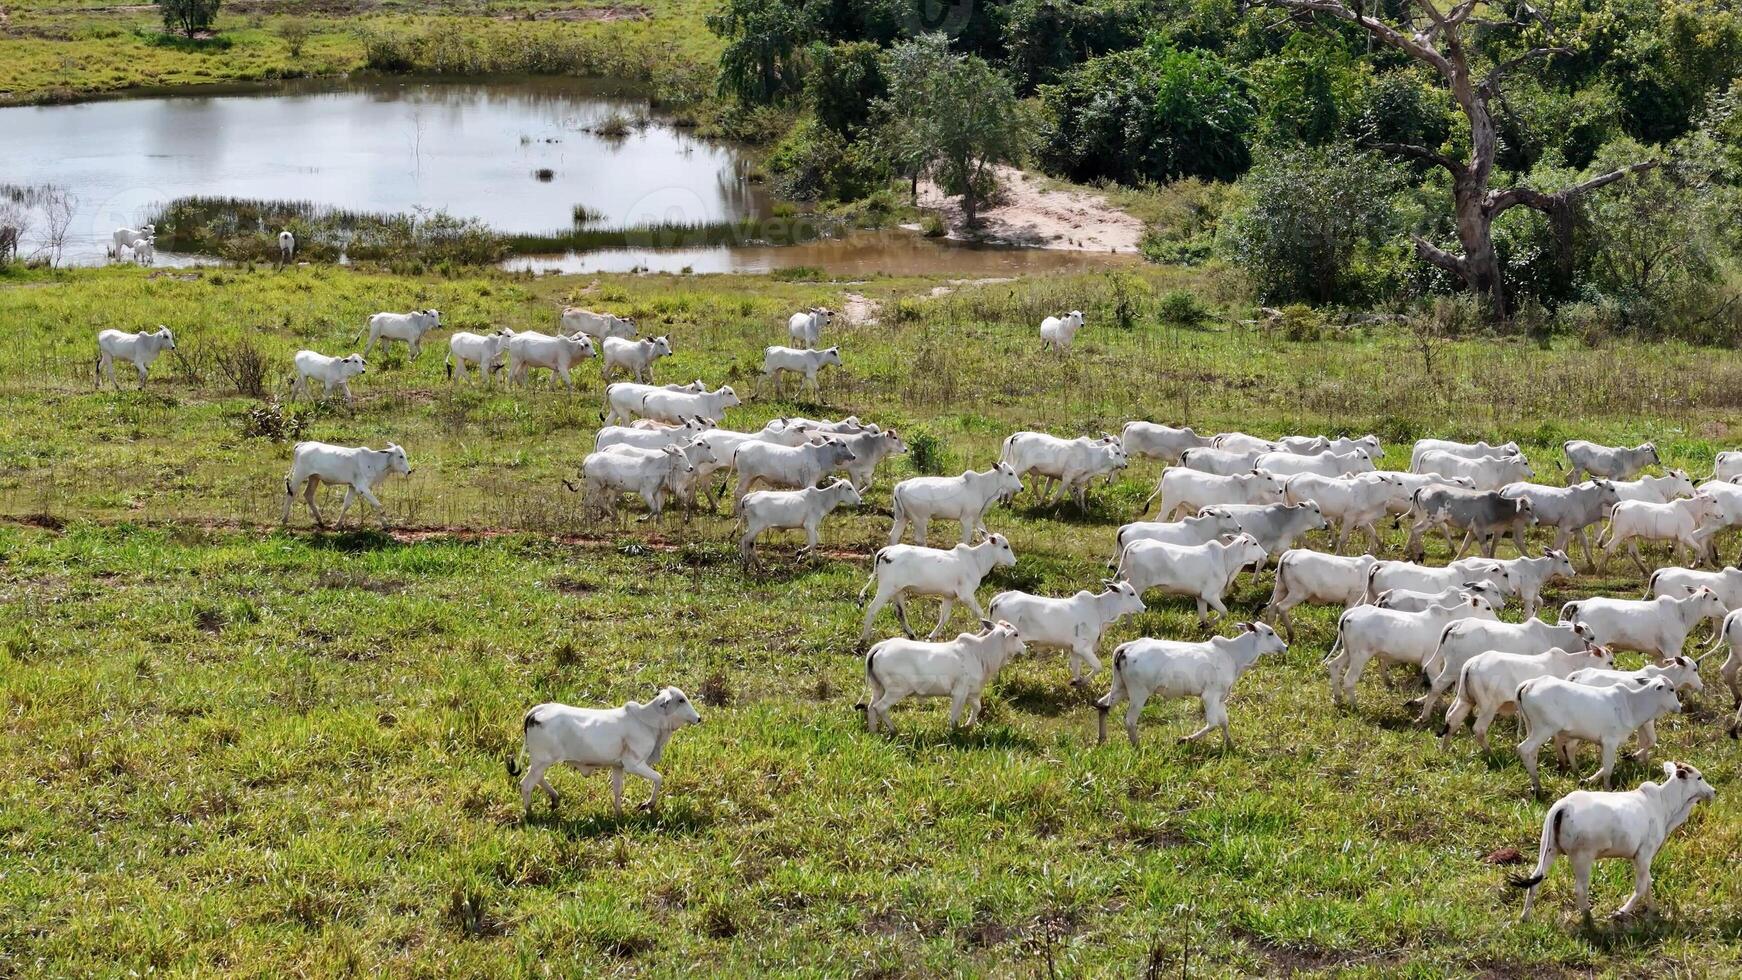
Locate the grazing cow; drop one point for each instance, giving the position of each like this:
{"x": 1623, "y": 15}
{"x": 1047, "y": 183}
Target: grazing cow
{"x": 1484, "y": 472}
{"x": 1152, "y": 441}
{"x": 1387, "y": 575}
{"x": 1489, "y": 682}
{"x": 1409, "y": 600}
{"x": 1303, "y": 575}
{"x": 1567, "y": 713}
{"x": 1351, "y": 503}
{"x": 573, "y": 320}
{"x": 484, "y": 350}
{"x": 965, "y": 498}
{"x": 628, "y": 739}
{"x": 1727, "y": 465}
{"x": 1655, "y": 627}
{"x": 1057, "y": 333}
{"x": 1222, "y": 462}
{"x": 409, "y": 327}
{"x": 1484, "y": 515}
{"x": 1400, "y": 487}
{"x": 1200, "y": 529}
{"x": 1407, "y": 638}
{"x": 650, "y": 474}
{"x": 803, "y": 510}
{"x": 777, "y": 361}
{"x": 634, "y": 357}
{"x": 1073, "y": 624}
{"x": 1569, "y": 510}
{"x": 358, "y": 469}
{"x": 286, "y": 247}
{"x": 1275, "y": 526}
{"x": 623, "y": 399}
{"x": 1144, "y": 668}
{"x": 125, "y": 237}
{"x": 957, "y": 669}
{"x": 1469, "y": 450}
{"x": 1726, "y": 582}
{"x": 1185, "y": 491}
{"x": 675, "y": 406}
{"x": 1467, "y": 638}
{"x": 531, "y": 349}
{"x": 1607, "y": 462}
{"x": 1203, "y": 571}
{"x": 1655, "y": 489}
{"x": 904, "y": 570}
{"x": 787, "y": 467}
{"x": 676, "y": 435}
{"x": 140, "y": 348}
{"x": 331, "y": 372}
{"x": 806, "y": 328}
{"x": 1681, "y": 522}
{"x": 869, "y": 448}
{"x": 1074, "y": 463}
{"x": 1526, "y": 576}
{"x": 1323, "y": 464}
{"x": 1634, "y": 825}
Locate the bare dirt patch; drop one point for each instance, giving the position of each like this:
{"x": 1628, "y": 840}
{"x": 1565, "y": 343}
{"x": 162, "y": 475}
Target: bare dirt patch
{"x": 1029, "y": 215}
{"x": 615, "y": 12}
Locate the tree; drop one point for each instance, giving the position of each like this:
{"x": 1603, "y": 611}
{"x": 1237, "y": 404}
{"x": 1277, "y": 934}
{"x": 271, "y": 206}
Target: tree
{"x": 188, "y": 16}
{"x": 951, "y": 115}
{"x": 765, "y": 48}
{"x": 1442, "y": 40}
{"x": 846, "y": 80}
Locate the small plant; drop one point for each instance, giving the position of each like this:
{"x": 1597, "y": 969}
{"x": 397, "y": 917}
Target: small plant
{"x": 933, "y": 226}
{"x": 927, "y": 453}
{"x": 244, "y": 366}
{"x": 614, "y": 126}
{"x": 583, "y": 215}
{"x": 273, "y": 421}
{"x": 1300, "y": 323}
{"x": 544, "y": 175}
{"x": 716, "y": 691}
{"x": 294, "y": 32}
{"x": 1182, "y": 309}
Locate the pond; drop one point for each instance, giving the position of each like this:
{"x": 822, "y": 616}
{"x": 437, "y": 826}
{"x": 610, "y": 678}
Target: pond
{"x": 518, "y": 154}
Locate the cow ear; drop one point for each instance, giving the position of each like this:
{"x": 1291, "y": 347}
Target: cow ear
{"x": 1246, "y": 627}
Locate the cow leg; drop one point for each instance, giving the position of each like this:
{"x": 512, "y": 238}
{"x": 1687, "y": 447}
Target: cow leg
{"x": 1585, "y": 540}
{"x": 1286, "y": 618}
{"x": 1518, "y": 539}
{"x": 901, "y": 615}
{"x": 880, "y": 710}
{"x": 1133, "y": 710}
{"x": 1582, "y": 861}
{"x": 617, "y": 791}
{"x": 1641, "y": 898}
{"x": 1527, "y": 751}
{"x": 369, "y": 497}
{"x": 810, "y": 538}
{"x": 308, "y": 496}
{"x": 142, "y": 372}
{"x": 289, "y": 499}
{"x": 106, "y": 368}
{"x": 1352, "y": 672}
{"x": 1455, "y": 716}
{"x": 958, "y": 698}
{"x": 1607, "y": 771}
{"x": 1484, "y": 718}
{"x": 1431, "y": 700}
{"x": 535, "y": 777}
{"x": 345, "y": 505}
{"x": 1083, "y": 662}
{"x": 639, "y": 767}
{"x": 949, "y": 604}
{"x": 1647, "y": 739}
{"x": 1633, "y": 550}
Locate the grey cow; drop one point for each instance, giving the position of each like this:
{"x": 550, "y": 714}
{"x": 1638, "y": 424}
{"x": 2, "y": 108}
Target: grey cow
{"x": 1276, "y": 526}
{"x": 1484, "y": 514}
{"x": 1569, "y": 510}
{"x": 1607, "y": 462}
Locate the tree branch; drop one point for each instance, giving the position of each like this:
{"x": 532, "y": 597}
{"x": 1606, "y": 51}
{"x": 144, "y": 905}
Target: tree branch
{"x": 1421, "y": 153}
{"x": 1436, "y": 256}
{"x": 1418, "y": 47}
{"x": 1550, "y": 201}
{"x": 1491, "y": 82}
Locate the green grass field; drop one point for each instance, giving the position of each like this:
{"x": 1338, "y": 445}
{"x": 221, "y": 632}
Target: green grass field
{"x": 229, "y": 747}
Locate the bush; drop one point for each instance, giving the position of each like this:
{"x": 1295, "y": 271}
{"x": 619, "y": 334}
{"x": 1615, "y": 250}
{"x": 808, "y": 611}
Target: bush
{"x": 816, "y": 163}
{"x": 845, "y": 80}
{"x": 927, "y": 453}
{"x": 190, "y": 17}
{"x": 294, "y": 32}
{"x": 1182, "y": 309}
{"x": 273, "y": 421}
{"x": 244, "y": 367}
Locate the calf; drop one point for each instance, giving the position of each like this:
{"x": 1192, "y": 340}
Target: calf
{"x": 286, "y": 247}
{"x": 634, "y": 357}
{"x": 1223, "y": 462}
{"x": 484, "y": 350}
{"x": 1683, "y": 672}
{"x": 1634, "y": 825}
{"x": 1365, "y": 632}
{"x": 1057, "y": 333}
{"x": 1466, "y": 638}
{"x": 1682, "y": 522}
{"x": 1074, "y": 463}
{"x": 1275, "y": 526}
{"x": 903, "y": 570}
{"x": 1203, "y": 572}
{"x": 1185, "y": 491}
{"x": 965, "y": 498}
{"x": 1727, "y": 465}
{"x": 628, "y": 739}
{"x": 1655, "y": 489}
{"x": 1489, "y": 682}
{"x": 331, "y": 372}
{"x": 359, "y": 469}
{"x": 1469, "y": 450}
{"x": 1569, "y": 510}
{"x": 531, "y": 349}
{"x": 777, "y": 361}
{"x": 125, "y": 237}
{"x": 1726, "y": 583}
{"x": 1400, "y": 487}
{"x": 1203, "y": 528}
{"x": 1152, "y": 441}
{"x": 1408, "y": 575}
{"x": 795, "y": 509}
{"x": 1311, "y": 576}
{"x": 1484, "y": 472}
{"x": 1525, "y": 577}
{"x": 140, "y": 348}
{"x": 806, "y": 328}
{"x": 675, "y": 406}
{"x": 1323, "y": 464}
{"x": 677, "y": 435}
{"x": 649, "y": 474}
{"x": 1607, "y": 462}
{"x": 1144, "y": 668}
{"x": 1350, "y": 503}
{"x": 623, "y": 399}
{"x": 869, "y": 448}
{"x": 1409, "y": 600}
{"x": 789, "y": 467}
{"x": 599, "y": 326}
{"x": 1484, "y": 515}
{"x": 1656, "y": 627}
{"x": 1073, "y": 624}
{"x": 1566, "y": 713}
{"x": 958, "y": 669}
{"x": 409, "y": 327}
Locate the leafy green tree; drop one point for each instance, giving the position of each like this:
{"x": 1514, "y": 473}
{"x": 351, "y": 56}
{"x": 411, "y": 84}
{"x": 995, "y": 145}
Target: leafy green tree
{"x": 763, "y": 61}
{"x": 1044, "y": 38}
{"x": 1308, "y": 92}
{"x": 1148, "y": 114}
{"x": 188, "y": 16}
{"x": 844, "y": 82}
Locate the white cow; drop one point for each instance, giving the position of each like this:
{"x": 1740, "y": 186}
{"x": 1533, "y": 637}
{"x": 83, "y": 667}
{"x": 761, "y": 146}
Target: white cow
{"x": 650, "y": 474}
{"x": 1525, "y": 577}
{"x": 1394, "y": 637}
{"x": 795, "y": 509}
{"x": 145, "y": 251}
{"x": 957, "y": 669}
{"x": 331, "y": 372}
{"x": 777, "y": 361}
{"x": 1467, "y": 638}
{"x": 531, "y": 349}
{"x": 358, "y": 469}
{"x": 635, "y": 357}
{"x": 628, "y": 739}
{"x": 1681, "y": 522}
{"x": 286, "y": 247}
{"x": 1074, "y": 624}
{"x": 1323, "y": 464}
{"x": 1203, "y": 528}
{"x": 482, "y": 350}
{"x": 869, "y": 448}
{"x": 676, "y": 435}
{"x": 140, "y": 348}
{"x": 1153, "y": 441}
{"x": 1387, "y": 575}
{"x": 965, "y": 498}
{"x": 1655, "y": 627}
{"x": 1409, "y": 600}
{"x": 675, "y": 406}
{"x": 1634, "y": 825}
{"x": 1726, "y": 582}
{"x": 1607, "y": 462}
{"x": 1303, "y": 575}
{"x": 1469, "y": 450}
{"x": 1488, "y": 684}
{"x": 806, "y": 328}
{"x": 573, "y": 320}
{"x": 623, "y": 400}
{"x": 1222, "y": 462}
{"x": 1073, "y": 463}
{"x": 903, "y": 570}
{"x": 1567, "y": 713}
{"x": 125, "y": 237}
{"x": 1727, "y": 465}
{"x": 1352, "y": 503}
{"x": 787, "y": 467}
{"x": 1683, "y": 672}
{"x": 409, "y": 327}
{"x": 1057, "y": 333}
{"x": 1483, "y": 472}
{"x": 1144, "y": 668}
{"x": 1730, "y": 635}
{"x": 1203, "y": 571}
{"x": 1184, "y": 491}
{"x": 1655, "y": 489}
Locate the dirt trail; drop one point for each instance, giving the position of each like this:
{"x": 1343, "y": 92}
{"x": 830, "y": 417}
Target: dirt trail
{"x": 860, "y": 310}
{"x": 1029, "y": 215}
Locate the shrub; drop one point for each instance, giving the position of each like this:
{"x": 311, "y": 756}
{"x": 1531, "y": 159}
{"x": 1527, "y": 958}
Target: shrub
{"x": 244, "y": 367}
{"x": 816, "y": 163}
{"x": 294, "y": 32}
{"x": 1182, "y": 309}
{"x": 273, "y": 421}
{"x": 927, "y": 453}
{"x": 188, "y": 16}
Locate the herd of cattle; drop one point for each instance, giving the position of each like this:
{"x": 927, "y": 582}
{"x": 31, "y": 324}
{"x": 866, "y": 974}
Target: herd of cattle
{"x": 1230, "y": 504}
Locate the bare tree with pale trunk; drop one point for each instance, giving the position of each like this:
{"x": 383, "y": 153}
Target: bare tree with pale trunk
{"x": 1437, "y": 37}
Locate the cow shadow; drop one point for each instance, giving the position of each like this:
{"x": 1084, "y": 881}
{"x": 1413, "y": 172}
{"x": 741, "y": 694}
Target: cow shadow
{"x": 918, "y": 736}
{"x": 673, "y": 818}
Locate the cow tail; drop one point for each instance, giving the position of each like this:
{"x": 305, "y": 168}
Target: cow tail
{"x": 1372, "y": 573}
{"x": 1650, "y": 583}
{"x": 1281, "y": 587}
{"x": 527, "y": 724}
{"x": 1336, "y": 644}
{"x": 448, "y": 363}
{"x": 878, "y": 560}
{"x": 1551, "y": 844}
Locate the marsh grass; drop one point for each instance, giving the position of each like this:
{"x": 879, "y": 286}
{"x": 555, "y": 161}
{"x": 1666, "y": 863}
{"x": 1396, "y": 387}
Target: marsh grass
{"x": 232, "y": 748}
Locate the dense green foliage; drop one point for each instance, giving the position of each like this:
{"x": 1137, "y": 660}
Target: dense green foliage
{"x": 189, "y": 17}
